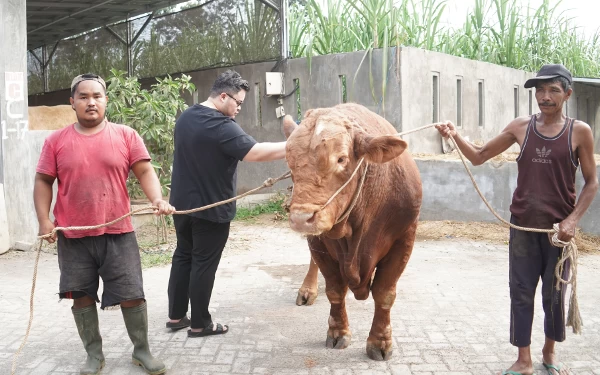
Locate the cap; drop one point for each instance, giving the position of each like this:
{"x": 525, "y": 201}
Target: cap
{"x": 88, "y": 77}
{"x": 548, "y": 72}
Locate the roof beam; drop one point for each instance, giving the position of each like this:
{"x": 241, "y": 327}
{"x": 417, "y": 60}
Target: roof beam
{"x": 71, "y": 15}
{"x": 271, "y": 4}
{"x": 52, "y": 20}
{"x": 52, "y": 4}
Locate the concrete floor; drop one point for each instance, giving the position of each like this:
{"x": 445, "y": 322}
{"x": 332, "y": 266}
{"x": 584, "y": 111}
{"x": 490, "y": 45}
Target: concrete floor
{"x": 451, "y": 316}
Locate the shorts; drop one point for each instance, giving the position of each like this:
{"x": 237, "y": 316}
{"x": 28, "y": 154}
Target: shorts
{"x": 114, "y": 257}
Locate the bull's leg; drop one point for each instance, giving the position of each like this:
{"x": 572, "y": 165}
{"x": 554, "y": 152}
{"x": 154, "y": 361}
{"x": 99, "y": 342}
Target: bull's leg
{"x": 389, "y": 269}
{"x": 338, "y": 334}
{"x": 307, "y": 294}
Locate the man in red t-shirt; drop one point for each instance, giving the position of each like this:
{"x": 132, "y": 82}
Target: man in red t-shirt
{"x": 91, "y": 160}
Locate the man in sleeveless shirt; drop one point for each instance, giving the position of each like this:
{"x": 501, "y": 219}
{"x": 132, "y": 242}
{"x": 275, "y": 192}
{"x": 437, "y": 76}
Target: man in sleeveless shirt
{"x": 553, "y": 147}
{"x": 91, "y": 160}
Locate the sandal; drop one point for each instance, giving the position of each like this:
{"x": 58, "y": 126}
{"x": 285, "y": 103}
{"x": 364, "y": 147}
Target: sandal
{"x": 550, "y": 368}
{"x": 182, "y": 323}
{"x": 209, "y": 330}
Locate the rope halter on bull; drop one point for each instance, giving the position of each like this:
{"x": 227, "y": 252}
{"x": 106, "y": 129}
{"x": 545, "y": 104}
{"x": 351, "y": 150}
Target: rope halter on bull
{"x": 362, "y": 180}
{"x": 356, "y": 192}
{"x": 569, "y": 254}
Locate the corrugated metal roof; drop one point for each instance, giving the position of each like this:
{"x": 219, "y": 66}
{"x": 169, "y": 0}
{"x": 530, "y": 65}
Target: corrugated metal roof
{"x": 49, "y": 21}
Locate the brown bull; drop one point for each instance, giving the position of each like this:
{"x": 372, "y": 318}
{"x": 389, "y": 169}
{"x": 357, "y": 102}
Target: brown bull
{"x": 51, "y": 118}
{"x": 365, "y": 247}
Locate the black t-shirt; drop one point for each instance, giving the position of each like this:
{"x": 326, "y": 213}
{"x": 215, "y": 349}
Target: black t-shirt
{"x": 208, "y": 146}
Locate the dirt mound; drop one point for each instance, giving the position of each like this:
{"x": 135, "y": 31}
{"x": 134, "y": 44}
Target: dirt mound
{"x": 487, "y": 232}
{"x": 150, "y": 239}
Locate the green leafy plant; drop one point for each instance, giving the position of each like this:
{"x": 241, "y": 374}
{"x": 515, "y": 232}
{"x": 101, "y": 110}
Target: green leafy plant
{"x": 152, "y": 114}
{"x": 275, "y": 205}
{"x": 501, "y": 32}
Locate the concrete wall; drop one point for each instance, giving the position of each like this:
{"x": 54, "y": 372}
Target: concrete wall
{"x": 16, "y": 173}
{"x": 409, "y": 102}
{"x": 448, "y": 193}
{"x": 584, "y": 105}
{"x": 418, "y": 69}
{"x": 320, "y": 86}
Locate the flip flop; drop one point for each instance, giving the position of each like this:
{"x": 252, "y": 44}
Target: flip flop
{"x": 509, "y": 372}
{"x": 182, "y": 323}
{"x": 209, "y": 331}
{"x": 556, "y": 368}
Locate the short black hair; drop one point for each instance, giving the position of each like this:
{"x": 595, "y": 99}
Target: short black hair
{"x": 87, "y": 77}
{"x": 562, "y": 80}
{"x": 229, "y": 82}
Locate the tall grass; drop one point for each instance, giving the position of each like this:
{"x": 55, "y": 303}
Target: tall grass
{"x": 497, "y": 31}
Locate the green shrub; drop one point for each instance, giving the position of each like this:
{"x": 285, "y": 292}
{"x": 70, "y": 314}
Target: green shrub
{"x": 152, "y": 114}
{"x": 275, "y": 205}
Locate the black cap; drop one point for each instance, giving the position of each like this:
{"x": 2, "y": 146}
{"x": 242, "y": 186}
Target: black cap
{"x": 549, "y": 71}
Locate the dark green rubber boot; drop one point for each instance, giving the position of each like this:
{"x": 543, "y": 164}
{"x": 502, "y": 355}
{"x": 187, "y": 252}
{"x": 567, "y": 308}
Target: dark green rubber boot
{"x": 86, "y": 320}
{"x": 136, "y": 321}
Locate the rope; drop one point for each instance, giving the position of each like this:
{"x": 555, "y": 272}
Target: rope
{"x": 356, "y": 195}
{"x": 268, "y": 183}
{"x": 35, "y": 266}
{"x": 364, "y": 174}
{"x": 568, "y": 258}
{"x": 569, "y": 248}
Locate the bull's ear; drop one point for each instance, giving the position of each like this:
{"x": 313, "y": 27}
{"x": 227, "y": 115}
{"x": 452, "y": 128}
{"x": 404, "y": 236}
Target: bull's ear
{"x": 380, "y": 149}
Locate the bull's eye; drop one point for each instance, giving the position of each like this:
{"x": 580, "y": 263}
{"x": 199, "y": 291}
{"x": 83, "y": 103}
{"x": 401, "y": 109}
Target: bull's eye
{"x": 342, "y": 159}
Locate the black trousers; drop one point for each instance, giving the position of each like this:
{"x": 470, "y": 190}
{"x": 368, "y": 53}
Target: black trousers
{"x": 200, "y": 244}
{"x": 531, "y": 257}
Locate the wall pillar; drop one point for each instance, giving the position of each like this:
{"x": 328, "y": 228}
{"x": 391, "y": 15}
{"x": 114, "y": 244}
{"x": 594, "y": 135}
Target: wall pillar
{"x": 18, "y": 223}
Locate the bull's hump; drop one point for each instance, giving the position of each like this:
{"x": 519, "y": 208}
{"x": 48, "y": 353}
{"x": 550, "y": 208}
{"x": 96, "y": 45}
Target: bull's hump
{"x": 369, "y": 121}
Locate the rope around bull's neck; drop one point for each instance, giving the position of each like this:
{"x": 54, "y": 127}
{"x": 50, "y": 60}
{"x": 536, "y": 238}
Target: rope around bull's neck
{"x": 569, "y": 248}
{"x": 362, "y": 180}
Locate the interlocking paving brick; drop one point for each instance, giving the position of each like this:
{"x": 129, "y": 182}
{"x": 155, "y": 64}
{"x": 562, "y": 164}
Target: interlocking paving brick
{"x": 450, "y": 317}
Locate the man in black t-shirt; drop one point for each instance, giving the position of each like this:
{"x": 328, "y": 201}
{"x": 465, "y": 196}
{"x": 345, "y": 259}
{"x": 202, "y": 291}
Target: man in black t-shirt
{"x": 208, "y": 146}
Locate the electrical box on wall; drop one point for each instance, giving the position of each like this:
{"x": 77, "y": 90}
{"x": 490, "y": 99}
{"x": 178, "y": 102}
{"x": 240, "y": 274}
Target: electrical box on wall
{"x": 274, "y": 82}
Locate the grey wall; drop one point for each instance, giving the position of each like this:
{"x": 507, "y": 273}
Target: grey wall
{"x": 408, "y": 104}
{"x": 418, "y": 68}
{"x": 448, "y": 193}
{"x": 584, "y": 105}
{"x": 320, "y": 86}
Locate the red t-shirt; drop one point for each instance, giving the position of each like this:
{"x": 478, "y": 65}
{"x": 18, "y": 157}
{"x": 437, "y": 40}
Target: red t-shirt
{"x": 92, "y": 172}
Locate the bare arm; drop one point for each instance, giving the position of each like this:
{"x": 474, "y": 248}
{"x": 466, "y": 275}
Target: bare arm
{"x": 42, "y": 200}
{"x": 266, "y": 151}
{"x": 582, "y": 134}
{"x": 145, "y": 173}
{"x": 478, "y": 155}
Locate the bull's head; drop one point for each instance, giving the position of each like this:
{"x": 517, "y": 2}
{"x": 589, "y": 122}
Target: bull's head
{"x": 322, "y": 154}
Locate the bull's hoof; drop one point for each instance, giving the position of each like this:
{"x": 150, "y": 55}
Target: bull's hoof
{"x": 306, "y": 296}
{"x": 340, "y": 342}
{"x": 379, "y": 351}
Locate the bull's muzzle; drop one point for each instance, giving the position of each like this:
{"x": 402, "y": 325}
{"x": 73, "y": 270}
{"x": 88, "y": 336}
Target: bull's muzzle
{"x": 303, "y": 221}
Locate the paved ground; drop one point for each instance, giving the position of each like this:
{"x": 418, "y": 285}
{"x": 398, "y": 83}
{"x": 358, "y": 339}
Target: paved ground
{"x": 450, "y": 317}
